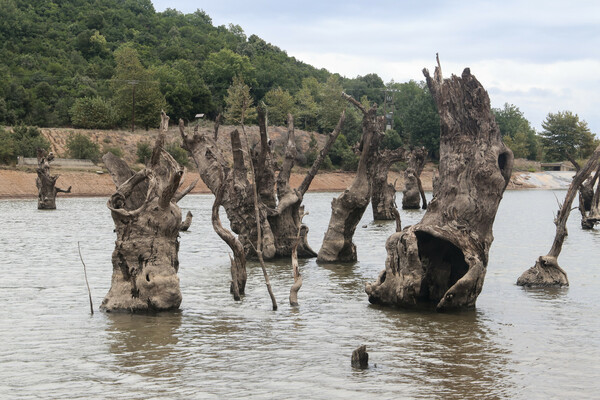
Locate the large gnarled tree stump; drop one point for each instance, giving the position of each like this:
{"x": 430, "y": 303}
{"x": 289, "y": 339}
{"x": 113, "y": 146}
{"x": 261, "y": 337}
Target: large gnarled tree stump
{"x": 349, "y": 207}
{"x": 46, "y": 183}
{"x": 147, "y": 220}
{"x": 279, "y": 204}
{"x": 442, "y": 260}
{"x": 413, "y": 193}
{"x": 589, "y": 201}
{"x": 546, "y": 272}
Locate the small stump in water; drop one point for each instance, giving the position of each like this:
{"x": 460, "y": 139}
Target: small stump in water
{"x": 360, "y": 357}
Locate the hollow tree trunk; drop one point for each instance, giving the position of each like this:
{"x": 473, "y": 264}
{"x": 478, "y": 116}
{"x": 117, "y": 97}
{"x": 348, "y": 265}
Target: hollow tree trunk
{"x": 147, "y": 219}
{"x": 279, "y": 204}
{"x": 349, "y": 207}
{"x": 546, "y": 271}
{"x": 443, "y": 259}
{"x": 46, "y": 183}
{"x": 413, "y": 193}
{"x": 383, "y": 198}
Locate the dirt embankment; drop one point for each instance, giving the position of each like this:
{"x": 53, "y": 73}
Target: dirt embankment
{"x": 20, "y": 183}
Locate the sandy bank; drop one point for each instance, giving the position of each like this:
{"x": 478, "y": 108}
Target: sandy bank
{"x": 21, "y": 184}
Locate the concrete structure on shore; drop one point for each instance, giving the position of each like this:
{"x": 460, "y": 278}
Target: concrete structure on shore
{"x": 58, "y": 163}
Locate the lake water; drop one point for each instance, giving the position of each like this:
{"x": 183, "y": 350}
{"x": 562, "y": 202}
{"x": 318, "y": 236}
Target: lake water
{"x": 517, "y": 344}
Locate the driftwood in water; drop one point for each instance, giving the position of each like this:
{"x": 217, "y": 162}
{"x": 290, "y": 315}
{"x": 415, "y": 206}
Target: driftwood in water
{"x": 413, "y": 193}
{"x": 360, "y": 357}
{"x": 383, "y": 198}
{"x": 546, "y": 271}
{"x": 442, "y": 259}
{"x": 279, "y": 204}
{"x": 349, "y": 207}
{"x": 147, "y": 219}
{"x": 185, "y": 224}
{"x": 46, "y": 183}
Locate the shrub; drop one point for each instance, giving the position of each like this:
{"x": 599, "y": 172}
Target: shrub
{"x": 81, "y": 147}
{"x": 93, "y": 113}
{"x": 179, "y": 154}
{"x": 144, "y": 151}
{"x": 117, "y": 151}
{"x": 22, "y": 141}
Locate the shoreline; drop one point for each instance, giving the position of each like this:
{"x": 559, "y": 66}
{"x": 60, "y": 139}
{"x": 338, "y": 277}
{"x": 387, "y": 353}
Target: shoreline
{"x": 20, "y": 184}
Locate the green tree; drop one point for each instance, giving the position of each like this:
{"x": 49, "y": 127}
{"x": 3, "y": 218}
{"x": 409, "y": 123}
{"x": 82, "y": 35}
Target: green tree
{"x": 517, "y": 132}
{"x": 220, "y": 69}
{"x": 27, "y": 140}
{"x": 331, "y": 104}
{"x": 279, "y": 103}
{"x": 80, "y": 146}
{"x": 7, "y": 147}
{"x": 131, "y": 76}
{"x": 416, "y": 117}
{"x": 307, "y": 108}
{"x": 93, "y": 113}
{"x": 239, "y": 104}
{"x": 565, "y": 135}
{"x": 144, "y": 152}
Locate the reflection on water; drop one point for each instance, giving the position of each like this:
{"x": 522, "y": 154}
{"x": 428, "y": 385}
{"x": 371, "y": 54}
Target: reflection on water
{"x": 518, "y": 343}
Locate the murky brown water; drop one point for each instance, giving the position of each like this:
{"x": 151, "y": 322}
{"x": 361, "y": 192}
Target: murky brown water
{"x": 519, "y": 343}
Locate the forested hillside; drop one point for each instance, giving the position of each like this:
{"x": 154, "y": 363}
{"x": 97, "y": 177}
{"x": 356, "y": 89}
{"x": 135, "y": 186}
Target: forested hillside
{"x": 104, "y": 64}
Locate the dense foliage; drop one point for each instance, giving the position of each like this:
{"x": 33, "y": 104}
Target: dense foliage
{"x": 22, "y": 141}
{"x": 564, "y": 136}
{"x": 102, "y": 64}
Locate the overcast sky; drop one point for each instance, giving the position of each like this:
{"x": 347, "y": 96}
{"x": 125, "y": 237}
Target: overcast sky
{"x": 542, "y": 56}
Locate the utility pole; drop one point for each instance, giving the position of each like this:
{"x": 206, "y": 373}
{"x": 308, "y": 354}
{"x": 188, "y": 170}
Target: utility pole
{"x": 133, "y": 83}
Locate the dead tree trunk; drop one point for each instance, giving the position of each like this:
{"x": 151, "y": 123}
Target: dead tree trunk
{"x": 546, "y": 271}
{"x": 185, "y": 224}
{"x": 147, "y": 219}
{"x": 296, "y": 269}
{"x": 279, "y": 204}
{"x": 413, "y": 193}
{"x": 383, "y": 198}
{"x": 443, "y": 259}
{"x": 349, "y": 207}
{"x": 238, "y": 262}
{"x": 589, "y": 202}
{"x": 46, "y": 183}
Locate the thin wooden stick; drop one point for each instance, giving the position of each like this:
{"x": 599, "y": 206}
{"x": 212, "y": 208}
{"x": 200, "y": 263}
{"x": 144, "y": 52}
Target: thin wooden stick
{"x": 86, "y": 279}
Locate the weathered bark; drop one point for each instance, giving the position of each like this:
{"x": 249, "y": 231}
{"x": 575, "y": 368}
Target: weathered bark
{"x": 589, "y": 202}
{"x": 296, "y": 269}
{"x": 349, "y": 207}
{"x": 46, "y": 183}
{"x": 279, "y": 204}
{"x": 185, "y": 224}
{"x": 546, "y": 271}
{"x": 147, "y": 219}
{"x": 383, "y": 198}
{"x": 238, "y": 262}
{"x": 443, "y": 259}
{"x": 413, "y": 193}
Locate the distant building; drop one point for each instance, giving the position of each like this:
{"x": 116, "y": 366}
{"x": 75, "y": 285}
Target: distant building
{"x": 557, "y": 166}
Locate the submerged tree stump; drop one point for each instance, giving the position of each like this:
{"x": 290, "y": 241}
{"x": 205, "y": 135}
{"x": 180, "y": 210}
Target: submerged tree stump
{"x": 279, "y": 204}
{"x": 349, "y": 207}
{"x": 442, "y": 260}
{"x": 546, "y": 272}
{"x": 46, "y": 183}
{"x": 589, "y": 201}
{"x": 383, "y": 198}
{"x": 147, "y": 220}
{"x": 413, "y": 192}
